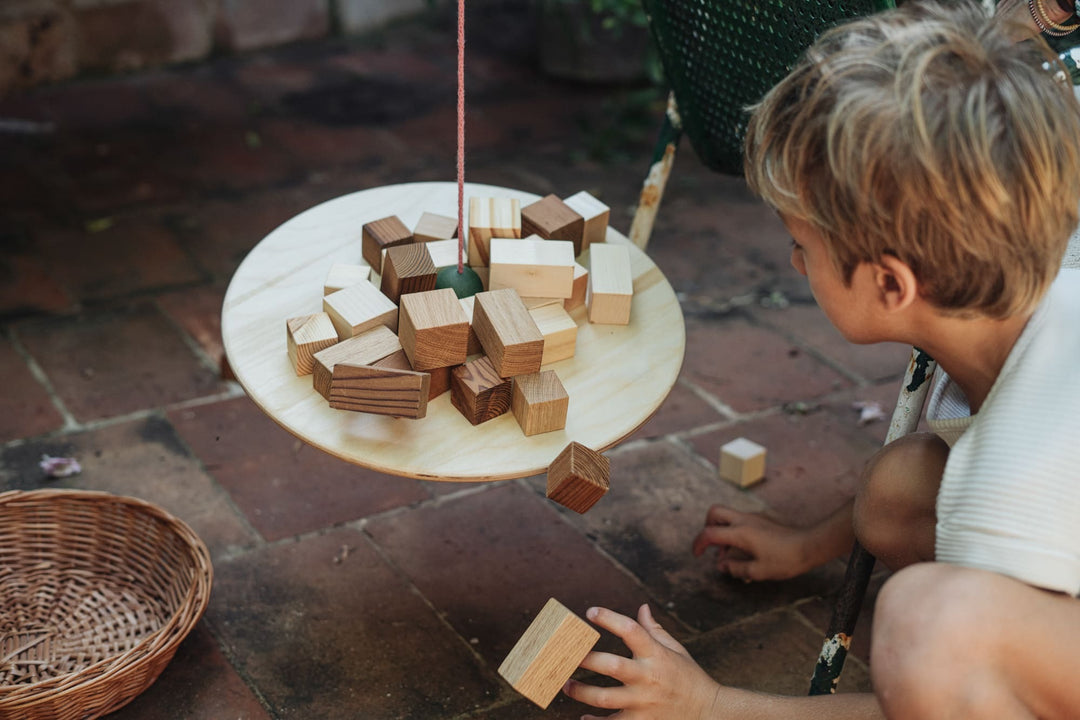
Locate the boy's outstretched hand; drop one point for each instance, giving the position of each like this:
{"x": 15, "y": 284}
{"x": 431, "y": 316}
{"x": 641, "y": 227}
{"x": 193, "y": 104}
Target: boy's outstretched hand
{"x": 752, "y": 547}
{"x": 660, "y": 681}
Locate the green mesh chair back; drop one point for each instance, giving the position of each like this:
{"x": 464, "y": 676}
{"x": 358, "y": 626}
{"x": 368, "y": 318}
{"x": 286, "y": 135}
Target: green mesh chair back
{"x": 721, "y": 55}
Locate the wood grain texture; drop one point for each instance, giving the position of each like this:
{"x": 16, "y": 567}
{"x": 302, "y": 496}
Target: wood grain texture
{"x": 380, "y": 234}
{"x": 616, "y": 380}
{"x": 407, "y": 269}
{"x": 478, "y": 392}
{"x": 578, "y": 477}
{"x": 343, "y": 275}
{"x": 379, "y": 390}
{"x": 539, "y": 402}
{"x": 559, "y": 331}
{"x": 596, "y": 215}
{"x": 432, "y": 227}
{"x": 507, "y": 332}
{"x": 467, "y": 304}
{"x": 364, "y": 349}
{"x": 444, "y": 253}
{"x": 433, "y": 329}
{"x": 611, "y": 285}
{"x": 307, "y": 335}
{"x": 552, "y": 219}
{"x": 548, "y": 653}
{"x": 581, "y": 288}
{"x": 359, "y": 308}
{"x": 491, "y": 217}
{"x": 532, "y": 267}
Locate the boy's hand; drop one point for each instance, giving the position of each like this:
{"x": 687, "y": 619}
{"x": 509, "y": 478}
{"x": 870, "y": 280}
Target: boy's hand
{"x": 752, "y": 547}
{"x": 660, "y": 681}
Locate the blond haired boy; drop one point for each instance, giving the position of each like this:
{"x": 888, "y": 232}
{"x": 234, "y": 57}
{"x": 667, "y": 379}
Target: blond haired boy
{"x": 928, "y": 168}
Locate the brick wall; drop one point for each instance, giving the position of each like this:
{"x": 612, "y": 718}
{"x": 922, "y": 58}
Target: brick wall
{"x": 47, "y": 40}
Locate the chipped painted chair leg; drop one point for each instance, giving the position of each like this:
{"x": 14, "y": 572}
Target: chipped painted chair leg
{"x": 653, "y": 189}
{"x": 905, "y": 419}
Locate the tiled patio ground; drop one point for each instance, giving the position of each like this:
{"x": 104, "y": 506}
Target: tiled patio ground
{"x": 342, "y": 593}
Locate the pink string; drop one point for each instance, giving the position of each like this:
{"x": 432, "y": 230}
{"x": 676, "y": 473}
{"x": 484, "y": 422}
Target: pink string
{"x": 461, "y": 136}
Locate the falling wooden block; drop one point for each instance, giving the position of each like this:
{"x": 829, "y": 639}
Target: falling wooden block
{"x": 552, "y": 219}
{"x": 444, "y": 253}
{"x": 307, "y": 335}
{"x": 581, "y": 288}
{"x": 596, "y": 214}
{"x": 407, "y": 269}
{"x": 533, "y": 267}
{"x": 539, "y": 402}
{"x": 559, "y": 331}
{"x": 365, "y": 349}
{"x": 467, "y": 304}
{"x": 742, "y": 462}
{"x": 488, "y": 218}
{"x": 380, "y": 235}
{"x": 343, "y": 275}
{"x": 359, "y": 308}
{"x": 578, "y": 477}
{"x": 507, "y": 333}
{"x": 433, "y": 328}
{"x": 611, "y": 284}
{"x": 432, "y": 227}
{"x": 478, "y": 392}
{"x": 379, "y": 390}
{"x": 548, "y": 653}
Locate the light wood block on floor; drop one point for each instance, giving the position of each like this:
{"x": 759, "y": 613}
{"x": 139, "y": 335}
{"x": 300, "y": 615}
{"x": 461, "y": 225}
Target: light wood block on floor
{"x": 742, "y": 462}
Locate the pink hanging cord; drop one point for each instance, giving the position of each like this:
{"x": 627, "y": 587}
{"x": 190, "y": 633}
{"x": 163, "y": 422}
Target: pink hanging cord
{"x": 461, "y": 136}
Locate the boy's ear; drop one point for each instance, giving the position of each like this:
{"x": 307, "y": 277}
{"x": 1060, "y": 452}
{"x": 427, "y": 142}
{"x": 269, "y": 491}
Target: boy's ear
{"x": 896, "y": 283}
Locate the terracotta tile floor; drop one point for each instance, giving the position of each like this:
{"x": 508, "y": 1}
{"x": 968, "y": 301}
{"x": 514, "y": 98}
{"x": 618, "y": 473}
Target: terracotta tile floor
{"x": 342, "y": 593}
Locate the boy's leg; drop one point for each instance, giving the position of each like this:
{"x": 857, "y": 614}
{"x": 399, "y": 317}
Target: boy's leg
{"x": 894, "y": 516}
{"x": 954, "y": 642}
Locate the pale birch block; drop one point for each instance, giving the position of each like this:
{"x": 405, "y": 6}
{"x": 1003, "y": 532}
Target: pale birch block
{"x": 534, "y": 268}
{"x": 366, "y": 348}
{"x": 433, "y": 329}
{"x": 433, "y": 227}
{"x": 597, "y": 216}
{"x": 742, "y": 462}
{"x": 307, "y": 335}
{"x": 507, "y": 332}
{"x": 488, "y": 218}
{"x": 358, "y": 308}
{"x": 559, "y": 331}
{"x": 539, "y": 402}
{"x": 548, "y": 653}
{"x": 534, "y": 302}
{"x": 343, "y": 275}
{"x": 444, "y": 253}
{"x": 581, "y": 288}
{"x": 611, "y": 284}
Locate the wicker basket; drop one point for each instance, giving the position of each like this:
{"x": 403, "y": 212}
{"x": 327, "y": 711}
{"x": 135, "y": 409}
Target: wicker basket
{"x": 96, "y": 593}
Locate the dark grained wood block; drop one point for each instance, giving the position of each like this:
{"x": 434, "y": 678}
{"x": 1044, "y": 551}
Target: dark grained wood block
{"x": 552, "y": 219}
{"x": 578, "y": 477}
{"x": 379, "y": 390}
{"x": 478, "y": 392}
{"x": 381, "y": 234}
{"x": 407, "y": 269}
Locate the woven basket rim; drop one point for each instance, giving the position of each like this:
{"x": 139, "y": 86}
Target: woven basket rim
{"x": 157, "y": 647}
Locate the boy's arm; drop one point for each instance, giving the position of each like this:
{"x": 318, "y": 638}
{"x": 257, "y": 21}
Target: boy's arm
{"x": 752, "y": 547}
{"x": 662, "y": 681}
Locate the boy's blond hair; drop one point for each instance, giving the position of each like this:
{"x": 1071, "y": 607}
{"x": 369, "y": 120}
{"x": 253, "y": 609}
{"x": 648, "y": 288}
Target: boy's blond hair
{"x": 928, "y": 134}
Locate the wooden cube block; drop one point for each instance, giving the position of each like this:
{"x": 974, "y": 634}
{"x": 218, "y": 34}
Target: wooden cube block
{"x": 379, "y": 390}
{"x": 478, "y": 392}
{"x": 581, "y": 288}
{"x": 611, "y": 284}
{"x": 507, "y": 333}
{"x": 444, "y": 253}
{"x": 407, "y": 269}
{"x": 307, "y": 335}
{"x": 343, "y": 275}
{"x": 359, "y": 308}
{"x": 432, "y": 227}
{"x": 552, "y": 219}
{"x": 548, "y": 653}
{"x": 742, "y": 462}
{"x": 597, "y": 215}
{"x": 433, "y": 328}
{"x": 578, "y": 477}
{"x": 488, "y": 218}
{"x": 533, "y": 267}
{"x": 559, "y": 331}
{"x": 365, "y": 349}
{"x": 467, "y": 304}
{"x": 539, "y": 402}
{"x": 381, "y": 234}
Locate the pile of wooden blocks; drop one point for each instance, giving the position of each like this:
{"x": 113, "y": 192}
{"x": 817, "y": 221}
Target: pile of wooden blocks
{"x": 388, "y": 342}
